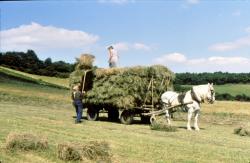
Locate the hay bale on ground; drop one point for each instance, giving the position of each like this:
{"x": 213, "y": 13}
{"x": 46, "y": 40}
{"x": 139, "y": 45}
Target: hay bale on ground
{"x": 25, "y": 141}
{"x": 242, "y": 131}
{"x": 93, "y": 150}
{"x": 68, "y": 152}
{"x": 123, "y": 88}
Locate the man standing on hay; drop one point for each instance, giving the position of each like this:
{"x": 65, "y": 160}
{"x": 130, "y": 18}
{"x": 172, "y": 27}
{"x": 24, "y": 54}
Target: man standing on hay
{"x": 113, "y": 57}
{"x": 77, "y": 97}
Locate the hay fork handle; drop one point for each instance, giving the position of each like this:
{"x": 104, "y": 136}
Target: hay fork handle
{"x": 84, "y": 79}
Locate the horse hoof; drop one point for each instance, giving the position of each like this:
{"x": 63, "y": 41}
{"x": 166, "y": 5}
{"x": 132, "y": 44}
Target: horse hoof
{"x": 189, "y": 129}
{"x": 197, "y": 129}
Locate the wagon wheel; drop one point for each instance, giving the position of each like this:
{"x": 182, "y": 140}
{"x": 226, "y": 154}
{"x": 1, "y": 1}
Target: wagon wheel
{"x": 145, "y": 119}
{"x": 126, "y": 117}
{"x": 92, "y": 114}
{"x": 152, "y": 119}
{"x": 113, "y": 114}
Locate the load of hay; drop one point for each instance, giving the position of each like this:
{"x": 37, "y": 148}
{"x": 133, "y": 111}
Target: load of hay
{"x": 93, "y": 150}
{"x": 122, "y": 87}
{"x": 25, "y": 141}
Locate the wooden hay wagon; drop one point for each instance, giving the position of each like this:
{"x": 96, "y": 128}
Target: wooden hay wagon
{"x": 146, "y": 111}
{"x": 123, "y": 93}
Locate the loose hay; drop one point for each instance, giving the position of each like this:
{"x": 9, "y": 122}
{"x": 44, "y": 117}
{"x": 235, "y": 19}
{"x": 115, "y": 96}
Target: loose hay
{"x": 93, "y": 150}
{"x": 69, "y": 152}
{"x": 242, "y": 131}
{"x": 85, "y": 61}
{"x": 25, "y": 141}
{"x": 122, "y": 88}
{"x": 162, "y": 127}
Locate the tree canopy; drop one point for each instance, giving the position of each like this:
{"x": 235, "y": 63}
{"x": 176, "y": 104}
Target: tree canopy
{"x": 30, "y": 63}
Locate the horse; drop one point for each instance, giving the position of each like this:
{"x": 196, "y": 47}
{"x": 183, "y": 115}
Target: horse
{"x": 194, "y": 97}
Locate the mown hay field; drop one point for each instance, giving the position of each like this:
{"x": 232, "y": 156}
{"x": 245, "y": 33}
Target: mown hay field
{"x": 47, "y": 111}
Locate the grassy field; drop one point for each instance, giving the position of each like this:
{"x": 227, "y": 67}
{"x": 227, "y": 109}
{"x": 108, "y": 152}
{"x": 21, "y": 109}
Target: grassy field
{"x": 47, "y": 111}
{"x": 233, "y": 89}
{"x": 63, "y": 82}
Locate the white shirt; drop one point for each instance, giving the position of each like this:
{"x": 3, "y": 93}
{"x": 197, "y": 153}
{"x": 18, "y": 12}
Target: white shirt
{"x": 113, "y": 56}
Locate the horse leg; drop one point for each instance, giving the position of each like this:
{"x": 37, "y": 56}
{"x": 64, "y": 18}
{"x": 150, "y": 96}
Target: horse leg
{"x": 168, "y": 117}
{"x": 190, "y": 112}
{"x": 167, "y": 113}
{"x": 196, "y": 114}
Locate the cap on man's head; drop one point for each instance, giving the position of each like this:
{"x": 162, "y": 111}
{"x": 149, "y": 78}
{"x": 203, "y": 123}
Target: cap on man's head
{"x": 110, "y": 47}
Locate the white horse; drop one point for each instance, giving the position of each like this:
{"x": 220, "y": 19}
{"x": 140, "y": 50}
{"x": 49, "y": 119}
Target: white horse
{"x": 197, "y": 95}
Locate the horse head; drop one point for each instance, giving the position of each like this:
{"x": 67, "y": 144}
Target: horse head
{"x": 210, "y": 93}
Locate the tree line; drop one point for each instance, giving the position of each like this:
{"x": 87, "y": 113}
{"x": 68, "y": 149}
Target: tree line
{"x": 217, "y": 78}
{"x": 30, "y": 63}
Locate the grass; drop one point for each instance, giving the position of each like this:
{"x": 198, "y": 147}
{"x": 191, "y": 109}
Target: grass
{"x": 61, "y": 82}
{"x": 233, "y": 89}
{"x": 214, "y": 143}
{"x": 43, "y": 110}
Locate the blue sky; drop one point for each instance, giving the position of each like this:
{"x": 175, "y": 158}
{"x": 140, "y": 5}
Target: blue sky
{"x": 184, "y": 35}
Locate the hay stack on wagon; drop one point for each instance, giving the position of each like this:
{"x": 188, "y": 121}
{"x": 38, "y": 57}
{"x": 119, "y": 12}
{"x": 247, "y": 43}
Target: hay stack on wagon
{"x": 122, "y": 88}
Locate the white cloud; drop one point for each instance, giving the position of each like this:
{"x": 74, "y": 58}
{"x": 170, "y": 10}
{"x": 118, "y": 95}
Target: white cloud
{"x": 35, "y": 36}
{"x": 121, "y": 46}
{"x": 226, "y": 46}
{"x": 232, "y": 45}
{"x": 117, "y": 1}
{"x": 171, "y": 58}
{"x": 179, "y": 62}
{"x": 124, "y": 46}
{"x": 228, "y": 60}
{"x": 141, "y": 46}
{"x": 193, "y": 1}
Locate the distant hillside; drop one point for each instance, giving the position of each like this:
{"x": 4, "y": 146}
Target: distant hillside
{"x": 6, "y": 73}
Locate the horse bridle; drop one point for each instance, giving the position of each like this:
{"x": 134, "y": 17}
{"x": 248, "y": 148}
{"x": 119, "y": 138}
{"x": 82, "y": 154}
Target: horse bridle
{"x": 212, "y": 95}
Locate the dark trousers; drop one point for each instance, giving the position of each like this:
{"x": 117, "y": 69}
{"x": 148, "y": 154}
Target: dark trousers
{"x": 78, "y": 106}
